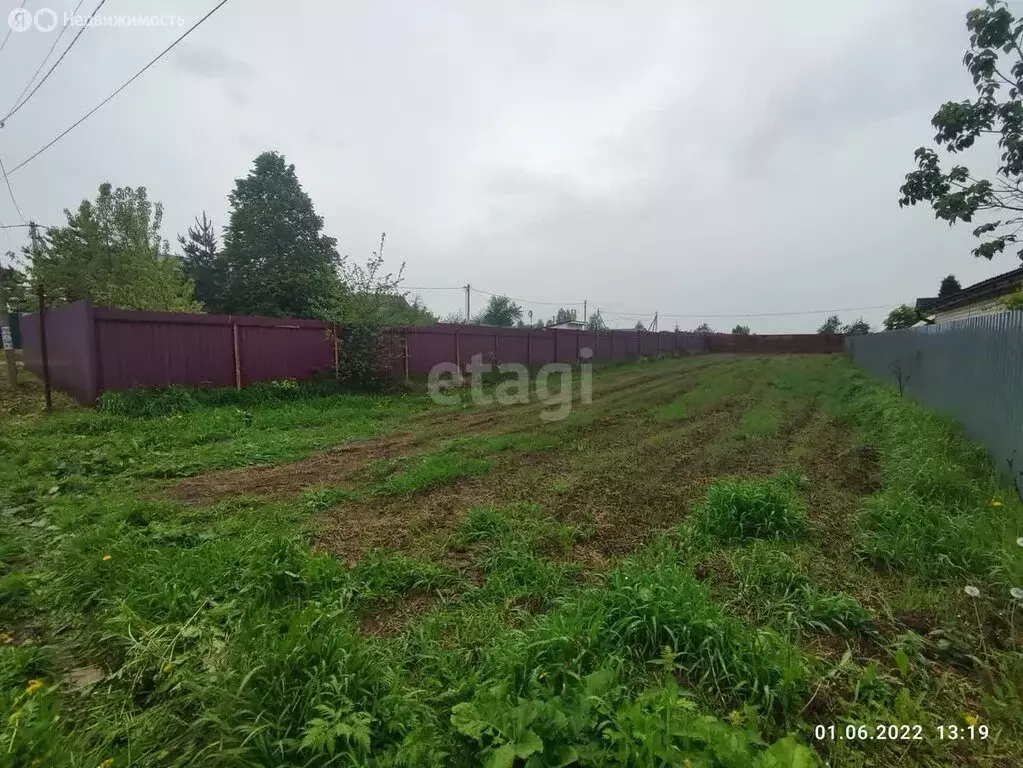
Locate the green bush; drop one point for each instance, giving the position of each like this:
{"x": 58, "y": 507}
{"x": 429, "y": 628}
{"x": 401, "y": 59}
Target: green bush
{"x": 738, "y": 510}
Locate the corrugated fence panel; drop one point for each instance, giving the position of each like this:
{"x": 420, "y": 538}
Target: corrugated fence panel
{"x": 70, "y": 348}
{"x": 626, "y": 343}
{"x": 541, "y": 348}
{"x": 275, "y": 349}
{"x": 565, "y": 345}
{"x": 970, "y": 369}
{"x": 93, "y": 349}
{"x": 475, "y": 341}
{"x": 427, "y": 347}
{"x": 151, "y": 349}
{"x": 512, "y": 346}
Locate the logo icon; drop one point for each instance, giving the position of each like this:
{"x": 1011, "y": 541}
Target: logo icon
{"x": 46, "y": 19}
{"x": 19, "y": 20}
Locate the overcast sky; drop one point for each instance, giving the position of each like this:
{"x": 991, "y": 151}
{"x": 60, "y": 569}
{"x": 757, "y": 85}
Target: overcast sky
{"x": 693, "y": 157}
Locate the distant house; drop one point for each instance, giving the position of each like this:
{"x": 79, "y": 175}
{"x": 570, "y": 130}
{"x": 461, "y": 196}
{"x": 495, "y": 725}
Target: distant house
{"x": 571, "y": 325}
{"x": 977, "y": 300}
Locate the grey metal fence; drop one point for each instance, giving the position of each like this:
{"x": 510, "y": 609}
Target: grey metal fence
{"x": 970, "y": 369}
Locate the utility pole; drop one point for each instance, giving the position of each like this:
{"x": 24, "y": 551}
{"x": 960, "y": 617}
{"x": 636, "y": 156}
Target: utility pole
{"x": 584, "y": 311}
{"x": 5, "y": 332}
{"x": 467, "y": 313}
{"x": 653, "y": 325}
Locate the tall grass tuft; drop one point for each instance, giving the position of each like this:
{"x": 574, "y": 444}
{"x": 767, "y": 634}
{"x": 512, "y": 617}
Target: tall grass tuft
{"x": 737, "y": 510}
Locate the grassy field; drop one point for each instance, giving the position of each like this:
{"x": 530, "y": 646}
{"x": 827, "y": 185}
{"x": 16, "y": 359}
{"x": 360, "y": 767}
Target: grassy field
{"x": 730, "y": 561}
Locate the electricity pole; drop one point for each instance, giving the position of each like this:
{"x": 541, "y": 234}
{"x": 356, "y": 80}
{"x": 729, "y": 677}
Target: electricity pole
{"x": 584, "y": 310}
{"x": 5, "y": 332}
{"x": 467, "y": 289}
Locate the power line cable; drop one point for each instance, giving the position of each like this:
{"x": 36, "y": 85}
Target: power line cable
{"x": 777, "y": 314}
{"x": 18, "y": 103}
{"x": 128, "y": 82}
{"x": 10, "y": 28}
{"x": 624, "y": 314}
{"x": 528, "y": 301}
{"x": 26, "y": 225}
{"x": 10, "y": 190}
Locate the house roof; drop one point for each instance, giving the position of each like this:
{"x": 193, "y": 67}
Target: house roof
{"x": 985, "y": 289}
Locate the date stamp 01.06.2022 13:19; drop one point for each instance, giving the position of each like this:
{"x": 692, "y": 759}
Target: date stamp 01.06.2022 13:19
{"x": 884, "y": 732}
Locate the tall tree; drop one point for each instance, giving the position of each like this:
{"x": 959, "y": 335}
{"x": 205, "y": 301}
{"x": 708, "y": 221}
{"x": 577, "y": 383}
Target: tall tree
{"x": 740, "y": 330}
{"x": 16, "y": 285}
{"x": 500, "y": 310}
{"x": 831, "y": 325}
{"x": 639, "y": 326}
{"x": 949, "y": 286}
{"x": 858, "y": 328}
{"x": 904, "y": 316}
{"x": 596, "y": 323}
{"x": 111, "y": 253}
{"x": 995, "y": 59}
{"x": 202, "y": 262}
{"x": 704, "y": 328}
{"x": 278, "y": 262}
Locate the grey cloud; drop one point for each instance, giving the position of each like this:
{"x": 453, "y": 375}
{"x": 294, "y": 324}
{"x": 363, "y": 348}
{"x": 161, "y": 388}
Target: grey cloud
{"x": 210, "y": 62}
{"x": 682, "y": 157}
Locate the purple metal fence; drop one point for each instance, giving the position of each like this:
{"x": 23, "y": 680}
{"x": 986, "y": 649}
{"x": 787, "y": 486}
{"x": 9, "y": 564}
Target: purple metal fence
{"x": 91, "y": 349}
{"x": 70, "y": 349}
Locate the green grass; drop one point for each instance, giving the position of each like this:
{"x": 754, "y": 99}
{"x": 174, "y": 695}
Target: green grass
{"x": 752, "y": 607}
{"x": 736, "y": 510}
{"x": 760, "y": 421}
{"x": 422, "y": 473}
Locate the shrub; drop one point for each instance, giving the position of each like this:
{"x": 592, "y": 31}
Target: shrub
{"x": 737, "y": 510}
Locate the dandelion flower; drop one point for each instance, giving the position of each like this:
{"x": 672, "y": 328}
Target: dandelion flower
{"x": 108, "y": 763}
{"x": 735, "y": 717}
{"x": 167, "y": 667}
{"x": 995, "y": 503}
{"x": 33, "y": 686}
{"x": 971, "y": 719}
{"x": 107, "y": 557}
{"x": 1017, "y": 593}
{"x": 971, "y": 590}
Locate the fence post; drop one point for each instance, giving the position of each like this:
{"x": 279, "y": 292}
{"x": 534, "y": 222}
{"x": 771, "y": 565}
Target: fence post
{"x": 42, "y": 349}
{"x": 336, "y": 338}
{"x": 95, "y": 370}
{"x": 458, "y": 353}
{"x": 405, "y": 354}
{"x": 529, "y": 348}
{"x": 235, "y": 353}
{"x": 8, "y": 338}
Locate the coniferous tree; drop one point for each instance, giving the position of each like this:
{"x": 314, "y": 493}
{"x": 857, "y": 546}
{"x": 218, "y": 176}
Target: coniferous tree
{"x": 278, "y": 262}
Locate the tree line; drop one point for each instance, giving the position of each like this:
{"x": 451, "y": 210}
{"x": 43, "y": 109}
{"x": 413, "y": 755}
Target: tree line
{"x": 272, "y": 258}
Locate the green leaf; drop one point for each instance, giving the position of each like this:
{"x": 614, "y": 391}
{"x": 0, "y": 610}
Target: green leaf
{"x": 527, "y": 744}
{"x": 466, "y": 720}
{"x": 503, "y": 757}
{"x": 902, "y": 662}
{"x": 787, "y": 753}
